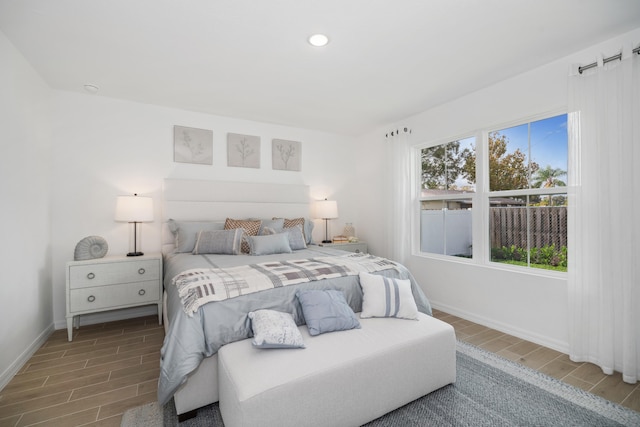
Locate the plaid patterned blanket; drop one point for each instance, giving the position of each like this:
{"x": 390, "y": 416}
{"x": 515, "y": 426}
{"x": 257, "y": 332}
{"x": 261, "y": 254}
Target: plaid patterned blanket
{"x": 199, "y": 286}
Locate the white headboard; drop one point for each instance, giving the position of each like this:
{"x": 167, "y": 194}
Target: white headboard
{"x": 199, "y": 200}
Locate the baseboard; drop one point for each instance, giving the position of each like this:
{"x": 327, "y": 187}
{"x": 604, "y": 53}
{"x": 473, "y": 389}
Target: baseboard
{"x": 560, "y": 346}
{"x": 11, "y": 371}
{"x": 112, "y": 315}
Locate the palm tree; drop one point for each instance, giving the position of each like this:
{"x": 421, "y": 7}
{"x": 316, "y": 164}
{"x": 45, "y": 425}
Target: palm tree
{"x": 548, "y": 178}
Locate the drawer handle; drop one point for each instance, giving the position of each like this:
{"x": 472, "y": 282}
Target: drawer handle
{"x": 141, "y": 292}
{"x": 91, "y": 298}
{"x": 141, "y": 271}
{"x": 90, "y": 276}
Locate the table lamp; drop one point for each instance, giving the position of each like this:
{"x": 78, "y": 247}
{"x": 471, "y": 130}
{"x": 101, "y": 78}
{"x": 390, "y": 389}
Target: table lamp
{"x": 134, "y": 209}
{"x": 326, "y": 209}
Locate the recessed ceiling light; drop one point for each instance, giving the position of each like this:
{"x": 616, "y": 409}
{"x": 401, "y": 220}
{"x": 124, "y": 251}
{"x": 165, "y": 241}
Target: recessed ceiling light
{"x": 318, "y": 40}
{"x": 91, "y": 88}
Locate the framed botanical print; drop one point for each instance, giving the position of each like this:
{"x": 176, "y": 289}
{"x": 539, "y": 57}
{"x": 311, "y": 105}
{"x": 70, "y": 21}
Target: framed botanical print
{"x": 243, "y": 150}
{"x": 191, "y": 145}
{"x": 286, "y": 155}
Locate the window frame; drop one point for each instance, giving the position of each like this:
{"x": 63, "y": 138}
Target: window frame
{"x": 481, "y": 253}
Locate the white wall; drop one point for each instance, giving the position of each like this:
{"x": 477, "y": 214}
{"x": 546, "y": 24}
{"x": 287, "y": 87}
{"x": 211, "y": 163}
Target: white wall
{"x": 531, "y": 306}
{"x": 25, "y": 252}
{"x": 105, "y": 147}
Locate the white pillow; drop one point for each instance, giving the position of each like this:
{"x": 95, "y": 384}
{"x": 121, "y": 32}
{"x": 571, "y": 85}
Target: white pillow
{"x": 387, "y": 297}
{"x": 274, "y": 329}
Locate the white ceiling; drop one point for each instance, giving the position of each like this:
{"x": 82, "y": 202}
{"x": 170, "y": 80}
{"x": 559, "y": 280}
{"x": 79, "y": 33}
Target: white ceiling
{"x": 387, "y": 59}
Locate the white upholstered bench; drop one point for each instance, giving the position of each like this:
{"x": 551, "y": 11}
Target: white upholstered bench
{"x": 342, "y": 378}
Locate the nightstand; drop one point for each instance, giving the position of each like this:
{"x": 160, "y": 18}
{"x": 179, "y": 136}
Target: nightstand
{"x": 112, "y": 283}
{"x": 358, "y": 247}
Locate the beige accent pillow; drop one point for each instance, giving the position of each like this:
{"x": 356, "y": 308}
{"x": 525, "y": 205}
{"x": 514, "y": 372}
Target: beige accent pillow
{"x": 250, "y": 227}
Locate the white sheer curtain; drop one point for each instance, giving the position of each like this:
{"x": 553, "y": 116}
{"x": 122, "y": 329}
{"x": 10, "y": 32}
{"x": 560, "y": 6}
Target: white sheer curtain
{"x": 399, "y": 188}
{"x": 604, "y": 254}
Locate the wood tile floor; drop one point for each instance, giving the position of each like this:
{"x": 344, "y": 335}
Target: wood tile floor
{"x": 91, "y": 381}
{"x": 111, "y": 367}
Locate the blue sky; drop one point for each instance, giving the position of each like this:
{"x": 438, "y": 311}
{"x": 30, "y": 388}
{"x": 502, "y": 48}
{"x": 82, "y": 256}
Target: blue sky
{"x": 548, "y": 141}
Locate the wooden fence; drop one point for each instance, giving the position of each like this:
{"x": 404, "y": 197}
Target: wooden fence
{"x": 548, "y": 226}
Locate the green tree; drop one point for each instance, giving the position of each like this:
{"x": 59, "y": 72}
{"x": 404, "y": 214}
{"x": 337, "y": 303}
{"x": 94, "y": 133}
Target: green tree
{"x": 548, "y": 178}
{"x": 507, "y": 170}
{"x": 441, "y": 166}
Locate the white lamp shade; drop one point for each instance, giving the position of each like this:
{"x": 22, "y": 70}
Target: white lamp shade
{"x": 134, "y": 209}
{"x": 326, "y": 209}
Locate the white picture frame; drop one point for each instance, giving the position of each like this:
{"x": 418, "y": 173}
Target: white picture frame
{"x": 243, "y": 151}
{"x": 192, "y": 145}
{"x": 286, "y": 155}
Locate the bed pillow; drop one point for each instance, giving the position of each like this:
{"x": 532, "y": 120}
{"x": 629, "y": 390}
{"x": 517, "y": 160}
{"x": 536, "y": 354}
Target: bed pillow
{"x": 387, "y": 297}
{"x": 275, "y": 224}
{"x": 250, "y": 227}
{"x": 269, "y": 244}
{"x": 296, "y": 237}
{"x": 274, "y": 329}
{"x": 307, "y": 227}
{"x": 266, "y": 231}
{"x": 226, "y": 242}
{"x": 186, "y": 232}
{"x": 326, "y": 311}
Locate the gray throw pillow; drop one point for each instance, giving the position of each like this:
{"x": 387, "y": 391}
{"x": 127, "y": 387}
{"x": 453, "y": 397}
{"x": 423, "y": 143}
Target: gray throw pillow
{"x": 269, "y": 244}
{"x": 307, "y": 227}
{"x": 267, "y": 231}
{"x": 296, "y": 237}
{"x": 275, "y": 224}
{"x": 326, "y": 311}
{"x": 186, "y": 232}
{"x": 228, "y": 242}
{"x": 274, "y": 329}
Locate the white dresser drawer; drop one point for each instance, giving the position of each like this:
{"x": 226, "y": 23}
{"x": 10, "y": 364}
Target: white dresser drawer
{"x": 113, "y": 296}
{"x": 82, "y": 276}
{"x": 358, "y": 247}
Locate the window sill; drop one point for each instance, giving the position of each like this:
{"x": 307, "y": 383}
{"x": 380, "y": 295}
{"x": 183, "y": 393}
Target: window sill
{"x": 494, "y": 265}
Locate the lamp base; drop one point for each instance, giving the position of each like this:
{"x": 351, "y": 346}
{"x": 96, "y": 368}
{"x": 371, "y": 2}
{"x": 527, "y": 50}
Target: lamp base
{"x": 135, "y": 254}
{"x": 326, "y": 241}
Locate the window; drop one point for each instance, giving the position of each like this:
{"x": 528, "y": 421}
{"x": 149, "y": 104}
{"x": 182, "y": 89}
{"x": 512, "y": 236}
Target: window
{"x": 446, "y": 198}
{"x": 523, "y": 189}
{"x": 527, "y": 194}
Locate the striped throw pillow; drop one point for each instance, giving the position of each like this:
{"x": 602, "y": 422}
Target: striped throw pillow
{"x": 387, "y": 297}
{"x": 227, "y": 242}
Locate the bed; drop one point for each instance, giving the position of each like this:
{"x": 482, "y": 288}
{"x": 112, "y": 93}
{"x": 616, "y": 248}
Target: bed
{"x": 189, "y": 354}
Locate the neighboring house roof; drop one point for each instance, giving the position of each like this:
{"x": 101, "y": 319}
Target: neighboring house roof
{"x": 495, "y": 201}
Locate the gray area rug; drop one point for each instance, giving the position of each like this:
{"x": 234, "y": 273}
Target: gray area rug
{"x": 489, "y": 391}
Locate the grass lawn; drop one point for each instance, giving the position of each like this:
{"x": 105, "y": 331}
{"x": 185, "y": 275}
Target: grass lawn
{"x": 524, "y": 264}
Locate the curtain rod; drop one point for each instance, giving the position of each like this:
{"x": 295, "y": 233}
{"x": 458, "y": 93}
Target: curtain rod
{"x": 397, "y": 132}
{"x": 606, "y": 60}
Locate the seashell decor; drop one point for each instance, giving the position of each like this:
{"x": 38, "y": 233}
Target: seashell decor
{"x": 90, "y": 247}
